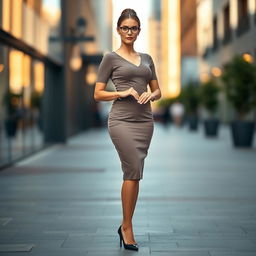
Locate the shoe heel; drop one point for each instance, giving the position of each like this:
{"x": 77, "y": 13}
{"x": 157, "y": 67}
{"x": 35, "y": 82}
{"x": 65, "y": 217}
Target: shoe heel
{"x": 120, "y": 235}
{"x": 120, "y": 242}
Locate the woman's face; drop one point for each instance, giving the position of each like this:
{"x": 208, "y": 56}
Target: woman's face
{"x": 128, "y": 30}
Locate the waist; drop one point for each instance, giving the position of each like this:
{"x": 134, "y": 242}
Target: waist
{"x": 131, "y": 110}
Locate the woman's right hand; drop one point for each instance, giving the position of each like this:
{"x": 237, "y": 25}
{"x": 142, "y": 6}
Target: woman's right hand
{"x": 128, "y": 92}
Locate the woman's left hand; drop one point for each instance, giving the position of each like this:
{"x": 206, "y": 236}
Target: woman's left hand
{"x": 145, "y": 97}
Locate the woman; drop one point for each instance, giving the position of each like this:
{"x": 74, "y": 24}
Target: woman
{"x": 130, "y": 121}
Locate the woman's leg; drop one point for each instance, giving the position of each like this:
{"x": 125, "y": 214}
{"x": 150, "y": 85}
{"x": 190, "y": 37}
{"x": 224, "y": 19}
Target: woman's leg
{"x": 129, "y": 194}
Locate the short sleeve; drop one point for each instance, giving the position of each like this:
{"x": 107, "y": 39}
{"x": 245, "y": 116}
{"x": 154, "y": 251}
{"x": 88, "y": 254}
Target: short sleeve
{"x": 105, "y": 69}
{"x": 152, "y": 67}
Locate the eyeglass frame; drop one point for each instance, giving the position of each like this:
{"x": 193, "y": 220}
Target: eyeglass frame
{"x": 129, "y": 28}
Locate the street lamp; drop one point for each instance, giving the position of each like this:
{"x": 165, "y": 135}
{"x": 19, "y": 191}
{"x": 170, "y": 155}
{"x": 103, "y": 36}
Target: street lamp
{"x": 91, "y": 75}
{"x": 76, "y": 59}
{"x": 81, "y": 26}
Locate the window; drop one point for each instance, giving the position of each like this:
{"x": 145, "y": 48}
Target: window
{"x": 215, "y": 33}
{"x": 34, "y": 22}
{"x": 226, "y": 22}
{"x": 6, "y": 125}
{"x": 243, "y": 17}
{"x": 255, "y": 12}
{"x": 21, "y": 97}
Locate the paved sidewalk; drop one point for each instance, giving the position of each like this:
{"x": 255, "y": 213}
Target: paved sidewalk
{"x": 197, "y": 198}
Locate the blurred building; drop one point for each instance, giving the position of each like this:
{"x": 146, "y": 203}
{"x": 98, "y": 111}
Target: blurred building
{"x": 224, "y": 28}
{"x": 188, "y": 27}
{"x": 154, "y": 40}
{"x": 46, "y": 74}
{"x": 170, "y": 48}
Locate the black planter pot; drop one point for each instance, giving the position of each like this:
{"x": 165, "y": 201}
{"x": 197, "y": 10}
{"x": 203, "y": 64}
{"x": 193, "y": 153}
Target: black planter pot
{"x": 211, "y": 127}
{"x": 242, "y": 133}
{"x": 193, "y": 122}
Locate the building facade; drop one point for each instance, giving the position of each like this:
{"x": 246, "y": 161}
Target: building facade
{"x": 45, "y": 83}
{"x": 224, "y": 28}
{"x": 188, "y": 28}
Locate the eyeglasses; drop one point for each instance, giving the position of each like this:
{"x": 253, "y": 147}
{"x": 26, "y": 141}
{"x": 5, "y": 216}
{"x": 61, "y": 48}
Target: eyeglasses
{"x": 133, "y": 29}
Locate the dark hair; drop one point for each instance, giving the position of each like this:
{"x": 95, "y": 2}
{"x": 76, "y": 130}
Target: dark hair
{"x": 126, "y": 14}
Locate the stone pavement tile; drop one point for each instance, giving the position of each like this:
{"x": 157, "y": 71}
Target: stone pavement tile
{"x": 186, "y": 231}
{"x": 217, "y": 243}
{"x": 242, "y": 244}
{"x": 143, "y": 251}
{"x": 159, "y": 230}
{"x": 71, "y": 227}
{"x": 249, "y": 228}
{"x": 58, "y": 251}
{"x": 6, "y": 235}
{"x": 14, "y": 247}
{"x": 171, "y": 238}
{"x": 16, "y": 254}
{"x": 50, "y": 252}
{"x": 207, "y": 229}
{"x": 38, "y": 243}
{"x": 35, "y": 245}
{"x": 181, "y": 253}
{"x": 81, "y": 241}
{"x": 38, "y": 235}
{"x": 155, "y": 238}
{"x": 163, "y": 246}
{"x": 227, "y": 236}
{"x": 4, "y": 221}
{"x": 106, "y": 239}
{"x": 232, "y": 253}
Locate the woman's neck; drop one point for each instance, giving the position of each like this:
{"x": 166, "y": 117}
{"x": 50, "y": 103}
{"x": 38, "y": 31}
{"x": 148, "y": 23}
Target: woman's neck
{"x": 126, "y": 49}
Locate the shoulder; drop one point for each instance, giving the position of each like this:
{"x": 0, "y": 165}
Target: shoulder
{"x": 107, "y": 56}
{"x": 107, "y": 59}
{"x": 147, "y": 56}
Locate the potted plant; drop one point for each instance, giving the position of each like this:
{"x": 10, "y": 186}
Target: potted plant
{"x": 208, "y": 92}
{"x": 11, "y": 102}
{"x": 239, "y": 77}
{"x": 190, "y": 98}
{"x": 36, "y": 104}
{"x": 164, "y": 104}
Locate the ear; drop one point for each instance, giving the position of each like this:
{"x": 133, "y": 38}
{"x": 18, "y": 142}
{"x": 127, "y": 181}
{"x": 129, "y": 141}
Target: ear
{"x": 117, "y": 29}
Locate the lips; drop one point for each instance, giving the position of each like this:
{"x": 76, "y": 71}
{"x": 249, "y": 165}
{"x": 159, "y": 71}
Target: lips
{"x": 129, "y": 38}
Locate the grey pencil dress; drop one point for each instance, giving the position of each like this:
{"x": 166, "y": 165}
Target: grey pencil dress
{"x": 130, "y": 124}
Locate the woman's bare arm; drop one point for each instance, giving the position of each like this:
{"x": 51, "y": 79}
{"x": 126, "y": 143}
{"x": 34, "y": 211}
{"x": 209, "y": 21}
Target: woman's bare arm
{"x": 155, "y": 89}
{"x": 101, "y": 94}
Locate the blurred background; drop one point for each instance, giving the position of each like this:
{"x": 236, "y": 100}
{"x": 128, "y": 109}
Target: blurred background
{"x": 204, "y": 52}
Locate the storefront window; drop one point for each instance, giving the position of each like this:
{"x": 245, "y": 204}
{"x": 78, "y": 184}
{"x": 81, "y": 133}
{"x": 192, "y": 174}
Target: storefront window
{"x": 22, "y": 78}
{"x": 4, "y": 126}
{"x": 26, "y": 98}
{"x": 16, "y": 18}
{"x": 37, "y": 103}
{"x": 51, "y": 12}
{"x": 16, "y": 110}
{"x": 34, "y": 22}
{"x": 21, "y": 96}
{"x": 5, "y": 15}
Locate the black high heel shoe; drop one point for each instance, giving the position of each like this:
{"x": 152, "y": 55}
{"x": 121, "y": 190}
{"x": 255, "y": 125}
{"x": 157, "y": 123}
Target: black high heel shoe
{"x": 126, "y": 246}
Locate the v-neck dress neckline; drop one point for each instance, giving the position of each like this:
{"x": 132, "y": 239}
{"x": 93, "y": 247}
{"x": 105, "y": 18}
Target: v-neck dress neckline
{"x": 129, "y": 61}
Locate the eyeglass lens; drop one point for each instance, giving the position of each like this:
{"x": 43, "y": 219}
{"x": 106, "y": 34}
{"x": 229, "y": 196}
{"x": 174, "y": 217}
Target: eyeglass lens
{"x": 126, "y": 29}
